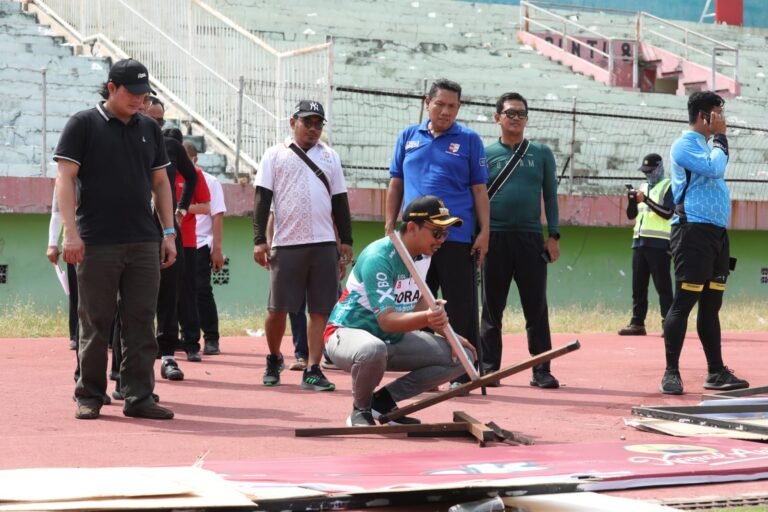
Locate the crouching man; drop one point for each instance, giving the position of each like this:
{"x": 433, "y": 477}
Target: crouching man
{"x": 377, "y": 324}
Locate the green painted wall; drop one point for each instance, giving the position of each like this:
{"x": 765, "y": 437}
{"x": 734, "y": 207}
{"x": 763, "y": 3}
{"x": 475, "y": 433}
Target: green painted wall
{"x": 594, "y": 269}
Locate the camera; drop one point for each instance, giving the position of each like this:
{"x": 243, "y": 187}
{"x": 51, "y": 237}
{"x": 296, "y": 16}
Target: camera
{"x": 631, "y": 192}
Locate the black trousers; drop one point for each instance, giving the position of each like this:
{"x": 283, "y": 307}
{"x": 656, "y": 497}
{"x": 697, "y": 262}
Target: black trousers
{"x": 515, "y": 256}
{"x": 167, "y": 304}
{"x": 451, "y": 272}
{"x": 208, "y": 314}
{"x": 647, "y": 263}
{"x": 187, "y": 302}
{"x": 133, "y": 272}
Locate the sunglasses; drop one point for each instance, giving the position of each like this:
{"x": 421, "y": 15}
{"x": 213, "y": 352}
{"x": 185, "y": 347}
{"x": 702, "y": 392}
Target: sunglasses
{"x": 512, "y": 113}
{"x": 437, "y": 234}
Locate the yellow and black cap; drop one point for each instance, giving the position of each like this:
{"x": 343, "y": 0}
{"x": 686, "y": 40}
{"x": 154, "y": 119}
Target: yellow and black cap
{"x": 430, "y": 209}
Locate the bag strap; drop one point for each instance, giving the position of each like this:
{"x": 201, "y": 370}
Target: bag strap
{"x": 508, "y": 169}
{"x": 312, "y": 165}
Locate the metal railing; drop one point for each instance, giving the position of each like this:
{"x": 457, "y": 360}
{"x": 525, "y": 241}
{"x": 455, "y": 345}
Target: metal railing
{"x": 231, "y": 82}
{"x": 530, "y": 14}
{"x": 691, "y": 44}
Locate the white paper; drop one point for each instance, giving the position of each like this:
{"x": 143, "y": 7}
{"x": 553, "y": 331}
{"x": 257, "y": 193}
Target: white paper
{"x": 62, "y": 276}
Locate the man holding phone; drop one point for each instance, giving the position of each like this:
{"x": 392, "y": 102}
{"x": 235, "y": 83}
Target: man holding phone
{"x": 699, "y": 242}
{"x": 521, "y": 174}
{"x": 652, "y": 205}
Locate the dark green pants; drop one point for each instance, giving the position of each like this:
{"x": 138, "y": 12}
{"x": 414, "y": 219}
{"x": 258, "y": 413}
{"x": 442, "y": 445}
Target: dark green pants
{"x": 133, "y": 272}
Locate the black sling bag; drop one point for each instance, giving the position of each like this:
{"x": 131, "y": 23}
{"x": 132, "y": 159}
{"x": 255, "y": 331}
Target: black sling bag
{"x": 508, "y": 169}
{"x": 312, "y": 165}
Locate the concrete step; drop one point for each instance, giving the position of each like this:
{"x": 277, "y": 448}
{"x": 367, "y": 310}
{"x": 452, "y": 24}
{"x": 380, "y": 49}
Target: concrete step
{"x": 44, "y": 46}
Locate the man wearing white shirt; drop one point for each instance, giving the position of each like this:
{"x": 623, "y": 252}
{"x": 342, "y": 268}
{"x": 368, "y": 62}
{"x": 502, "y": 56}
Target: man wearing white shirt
{"x": 304, "y": 180}
{"x": 210, "y": 233}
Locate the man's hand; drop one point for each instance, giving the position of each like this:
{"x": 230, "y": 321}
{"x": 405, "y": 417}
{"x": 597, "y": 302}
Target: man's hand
{"x": 717, "y": 123}
{"x": 217, "y": 259}
{"x": 552, "y": 246}
{"x": 52, "y": 254}
{"x": 73, "y": 247}
{"x": 467, "y": 346}
{"x": 639, "y": 197}
{"x": 345, "y": 252}
{"x": 480, "y": 247}
{"x": 389, "y": 227}
{"x": 261, "y": 255}
{"x": 437, "y": 318}
{"x": 167, "y": 251}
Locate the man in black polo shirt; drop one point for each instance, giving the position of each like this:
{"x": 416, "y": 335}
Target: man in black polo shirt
{"x": 118, "y": 159}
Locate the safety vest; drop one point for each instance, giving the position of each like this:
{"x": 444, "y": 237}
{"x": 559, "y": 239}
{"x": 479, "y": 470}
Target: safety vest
{"x": 649, "y": 224}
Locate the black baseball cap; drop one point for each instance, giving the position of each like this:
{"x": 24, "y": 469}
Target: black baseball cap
{"x": 306, "y": 108}
{"x": 432, "y": 209}
{"x": 132, "y": 75}
{"x": 650, "y": 162}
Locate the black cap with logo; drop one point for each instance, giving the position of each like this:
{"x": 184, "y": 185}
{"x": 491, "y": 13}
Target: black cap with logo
{"x": 306, "y": 108}
{"x": 650, "y": 162}
{"x": 132, "y": 75}
{"x": 432, "y": 209}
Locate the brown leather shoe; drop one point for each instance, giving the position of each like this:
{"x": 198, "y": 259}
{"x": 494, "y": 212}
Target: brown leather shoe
{"x": 152, "y": 412}
{"x": 87, "y": 412}
{"x": 632, "y": 330}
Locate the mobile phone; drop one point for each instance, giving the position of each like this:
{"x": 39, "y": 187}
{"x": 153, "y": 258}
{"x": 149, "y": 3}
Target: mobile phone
{"x": 629, "y": 186}
{"x": 545, "y": 256}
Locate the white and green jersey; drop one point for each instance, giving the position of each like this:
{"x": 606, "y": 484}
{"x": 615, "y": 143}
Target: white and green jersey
{"x": 379, "y": 281}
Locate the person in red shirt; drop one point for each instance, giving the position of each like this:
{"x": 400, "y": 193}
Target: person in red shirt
{"x": 201, "y": 204}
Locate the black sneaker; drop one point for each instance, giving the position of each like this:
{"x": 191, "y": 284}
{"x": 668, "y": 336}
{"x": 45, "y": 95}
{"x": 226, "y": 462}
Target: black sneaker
{"x": 314, "y": 379}
{"x": 211, "y": 348}
{"x": 272, "y": 373}
{"x": 193, "y": 356}
{"x": 724, "y": 380}
{"x": 169, "y": 369}
{"x": 671, "y": 383}
{"x": 544, "y": 379}
{"x": 360, "y": 418}
{"x": 383, "y": 403}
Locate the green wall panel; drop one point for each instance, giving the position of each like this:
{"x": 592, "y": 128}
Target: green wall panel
{"x": 594, "y": 268}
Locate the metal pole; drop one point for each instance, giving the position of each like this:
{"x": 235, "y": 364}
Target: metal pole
{"x": 424, "y": 95}
{"x": 238, "y": 137}
{"x": 278, "y": 98}
{"x": 44, "y": 129}
{"x": 329, "y": 92}
{"x": 573, "y": 146}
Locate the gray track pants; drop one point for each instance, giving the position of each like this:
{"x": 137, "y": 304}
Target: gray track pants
{"x": 425, "y": 356}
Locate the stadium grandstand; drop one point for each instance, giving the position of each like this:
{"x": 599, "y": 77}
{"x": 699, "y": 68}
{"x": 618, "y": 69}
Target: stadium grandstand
{"x": 231, "y": 70}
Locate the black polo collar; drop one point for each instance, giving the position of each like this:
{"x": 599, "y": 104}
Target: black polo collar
{"x": 107, "y": 115}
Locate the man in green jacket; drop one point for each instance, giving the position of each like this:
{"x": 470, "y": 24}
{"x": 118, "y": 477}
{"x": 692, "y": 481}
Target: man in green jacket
{"x": 521, "y": 173}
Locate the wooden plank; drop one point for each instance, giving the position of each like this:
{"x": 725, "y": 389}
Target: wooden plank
{"x": 482, "y": 381}
{"x": 426, "y": 293}
{"x": 434, "y": 428}
{"x": 478, "y": 429}
{"x": 509, "y": 436}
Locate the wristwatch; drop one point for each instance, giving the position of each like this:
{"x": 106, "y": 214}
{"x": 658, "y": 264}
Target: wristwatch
{"x": 556, "y": 236}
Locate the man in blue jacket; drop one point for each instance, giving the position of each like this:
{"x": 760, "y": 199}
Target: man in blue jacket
{"x": 699, "y": 241}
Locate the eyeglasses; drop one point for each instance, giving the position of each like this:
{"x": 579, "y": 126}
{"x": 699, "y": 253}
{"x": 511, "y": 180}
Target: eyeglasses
{"x": 319, "y": 123}
{"x": 511, "y": 113}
